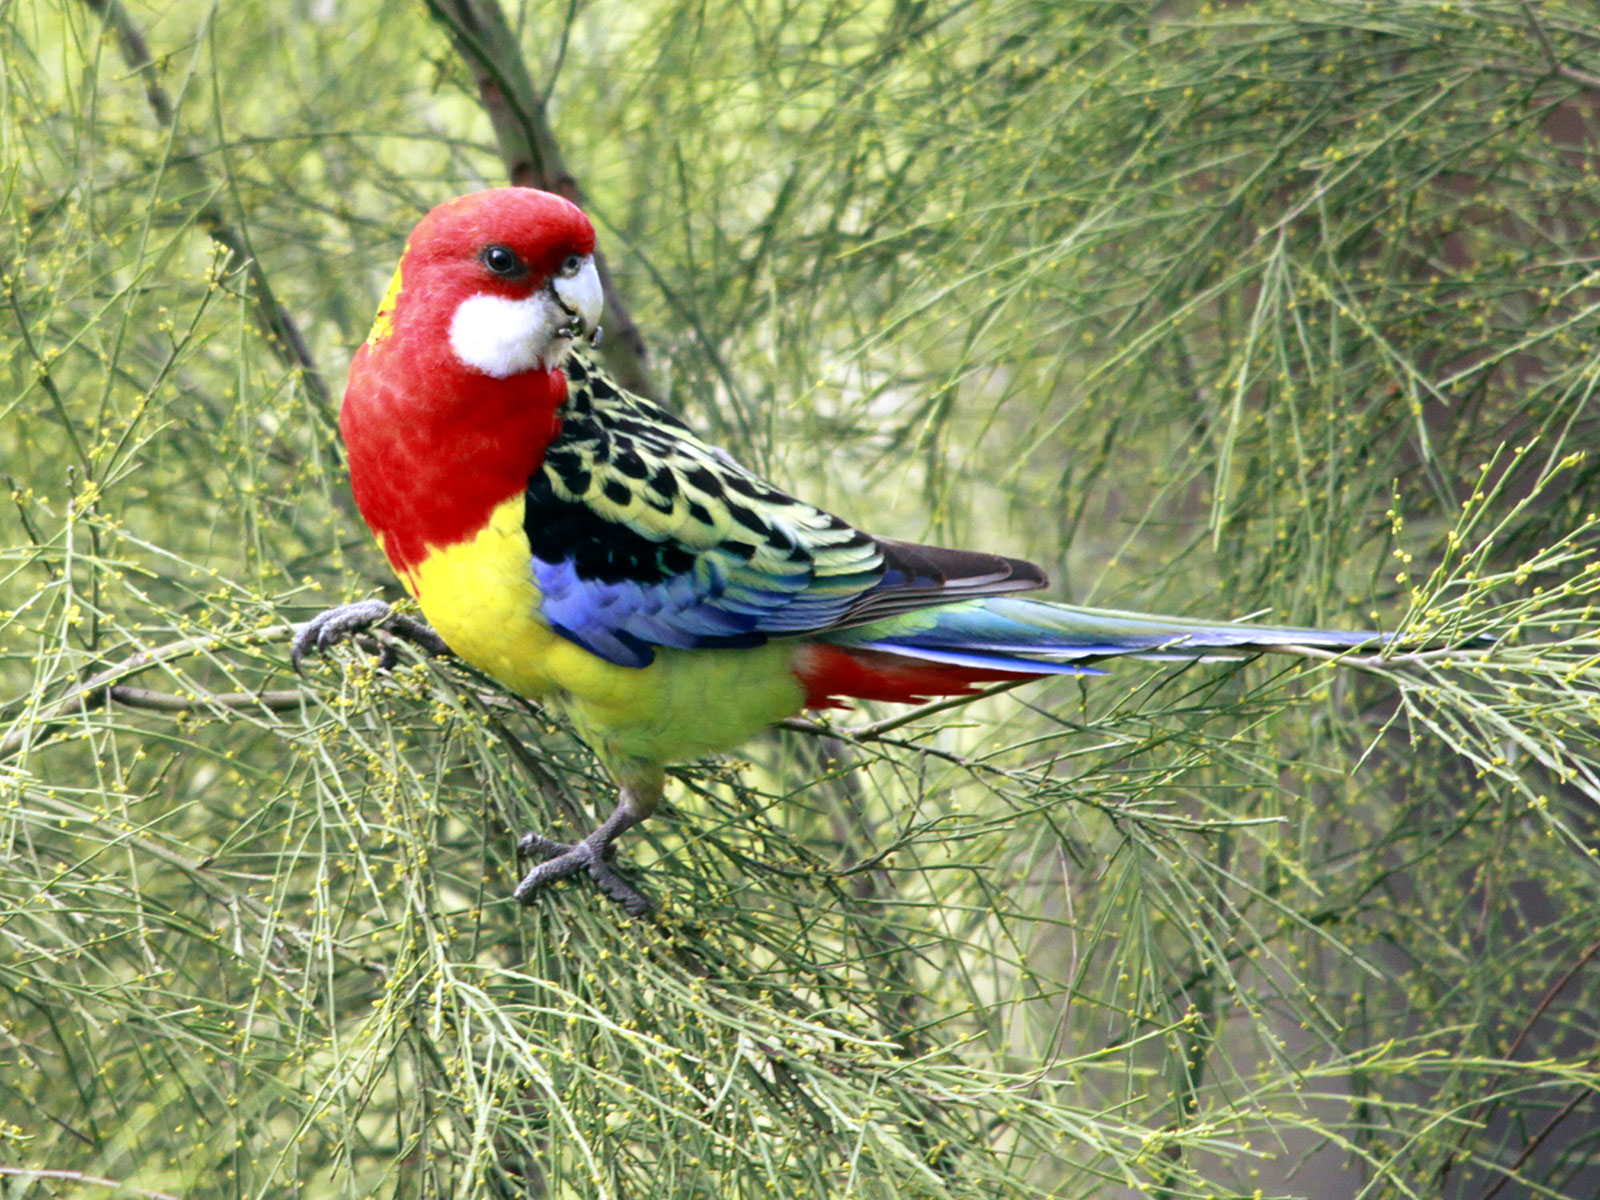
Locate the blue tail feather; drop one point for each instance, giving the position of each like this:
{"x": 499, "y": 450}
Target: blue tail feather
{"x": 1007, "y": 633}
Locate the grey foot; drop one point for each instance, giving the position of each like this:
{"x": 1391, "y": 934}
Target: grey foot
{"x": 327, "y": 629}
{"x": 561, "y": 859}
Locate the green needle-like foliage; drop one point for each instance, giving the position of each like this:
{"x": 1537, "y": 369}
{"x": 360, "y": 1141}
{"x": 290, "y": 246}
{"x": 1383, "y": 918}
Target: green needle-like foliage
{"x": 1286, "y": 308}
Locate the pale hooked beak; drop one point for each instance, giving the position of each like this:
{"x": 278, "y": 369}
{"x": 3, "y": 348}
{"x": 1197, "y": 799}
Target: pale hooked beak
{"x": 580, "y": 296}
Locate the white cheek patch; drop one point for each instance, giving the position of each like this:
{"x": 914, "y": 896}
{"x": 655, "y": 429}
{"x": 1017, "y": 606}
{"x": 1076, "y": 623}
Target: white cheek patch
{"x": 502, "y": 337}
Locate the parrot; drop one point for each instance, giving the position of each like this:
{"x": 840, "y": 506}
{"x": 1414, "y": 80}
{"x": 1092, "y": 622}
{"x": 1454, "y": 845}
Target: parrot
{"x": 585, "y": 548}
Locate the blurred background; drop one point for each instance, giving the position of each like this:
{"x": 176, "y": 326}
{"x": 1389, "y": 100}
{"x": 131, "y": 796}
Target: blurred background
{"x": 1220, "y": 309}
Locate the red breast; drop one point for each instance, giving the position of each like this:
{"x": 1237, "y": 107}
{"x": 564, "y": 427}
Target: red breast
{"x": 435, "y": 444}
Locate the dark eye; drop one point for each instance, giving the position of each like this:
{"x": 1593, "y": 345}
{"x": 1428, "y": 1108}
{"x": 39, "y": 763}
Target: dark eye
{"x": 502, "y": 260}
{"x": 572, "y": 265}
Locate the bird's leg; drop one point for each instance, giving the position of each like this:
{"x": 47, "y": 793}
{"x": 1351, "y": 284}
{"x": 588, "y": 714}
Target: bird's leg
{"x": 592, "y": 854}
{"x": 329, "y": 628}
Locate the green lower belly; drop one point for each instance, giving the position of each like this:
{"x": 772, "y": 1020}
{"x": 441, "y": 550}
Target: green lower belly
{"x": 689, "y": 703}
{"x": 480, "y": 596}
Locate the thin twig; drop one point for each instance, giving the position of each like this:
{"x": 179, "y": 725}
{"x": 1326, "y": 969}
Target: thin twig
{"x": 875, "y": 731}
{"x": 96, "y": 690}
{"x": 282, "y": 333}
{"x": 198, "y": 871}
{"x": 1508, "y": 1173}
{"x": 1553, "y": 64}
{"x": 1554, "y": 990}
{"x": 1544, "y": 38}
{"x": 878, "y": 728}
{"x": 80, "y": 1177}
{"x": 1382, "y": 663}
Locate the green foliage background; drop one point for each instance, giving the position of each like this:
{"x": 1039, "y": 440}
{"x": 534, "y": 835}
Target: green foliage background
{"x": 1222, "y": 309}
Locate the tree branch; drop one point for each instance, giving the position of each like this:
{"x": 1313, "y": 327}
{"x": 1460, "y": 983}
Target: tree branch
{"x": 1551, "y": 58}
{"x": 95, "y": 691}
{"x": 170, "y": 702}
{"x": 531, "y": 155}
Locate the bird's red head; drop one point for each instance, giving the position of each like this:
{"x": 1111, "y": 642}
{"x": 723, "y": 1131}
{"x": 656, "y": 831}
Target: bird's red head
{"x": 457, "y": 390}
{"x": 504, "y": 278}
{"x": 540, "y": 228}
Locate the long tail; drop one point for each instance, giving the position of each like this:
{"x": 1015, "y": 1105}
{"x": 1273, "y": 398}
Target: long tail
{"x": 950, "y": 649}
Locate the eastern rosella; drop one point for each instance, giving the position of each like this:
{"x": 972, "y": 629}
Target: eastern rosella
{"x": 585, "y": 547}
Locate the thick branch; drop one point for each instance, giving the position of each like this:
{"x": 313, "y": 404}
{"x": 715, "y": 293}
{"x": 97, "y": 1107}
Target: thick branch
{"x": 287, "y": 700}
{"x": 530, "y": 152}
{"x": 1552, "y": 59}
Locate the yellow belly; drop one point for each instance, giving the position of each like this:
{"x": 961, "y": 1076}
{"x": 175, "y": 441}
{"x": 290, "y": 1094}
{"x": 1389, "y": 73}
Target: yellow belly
{"x": 481, "y": 597}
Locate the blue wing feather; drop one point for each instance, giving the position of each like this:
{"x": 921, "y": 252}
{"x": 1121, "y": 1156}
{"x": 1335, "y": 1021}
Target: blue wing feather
{"x": 643, "y": 536}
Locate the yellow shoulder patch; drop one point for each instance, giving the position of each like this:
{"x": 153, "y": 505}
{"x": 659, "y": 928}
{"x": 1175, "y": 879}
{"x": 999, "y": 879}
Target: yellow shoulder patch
{"x": 383, "y": 323}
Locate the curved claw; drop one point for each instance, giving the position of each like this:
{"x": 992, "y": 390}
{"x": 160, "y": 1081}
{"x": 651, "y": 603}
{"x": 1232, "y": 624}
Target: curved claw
{"x": 418, "y": 633}
{"x": 534, "y": 845}
{"x": 560, "y": 859}
{"x": 327, "y": 629}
